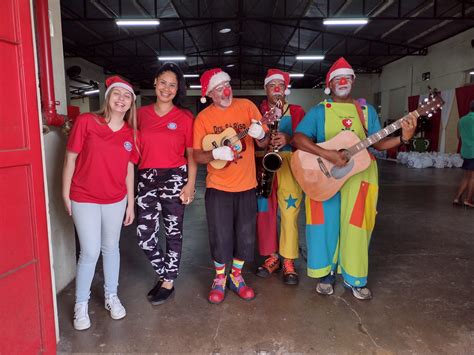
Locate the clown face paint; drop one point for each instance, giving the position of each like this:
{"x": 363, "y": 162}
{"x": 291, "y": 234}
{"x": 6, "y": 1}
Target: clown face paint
{"x": 275, "y": 91}
{"x": 222, "y": 95}
{"x": 341, "y": 85}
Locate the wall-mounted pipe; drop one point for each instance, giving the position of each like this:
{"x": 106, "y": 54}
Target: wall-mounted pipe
{"x": 48, "y": 99}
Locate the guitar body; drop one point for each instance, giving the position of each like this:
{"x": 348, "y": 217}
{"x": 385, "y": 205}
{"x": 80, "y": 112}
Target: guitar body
{"x": 319, "y": 178}
{"x": 226, "y": 138}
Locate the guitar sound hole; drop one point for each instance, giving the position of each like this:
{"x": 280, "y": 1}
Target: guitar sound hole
{"x": 226, "y": 142}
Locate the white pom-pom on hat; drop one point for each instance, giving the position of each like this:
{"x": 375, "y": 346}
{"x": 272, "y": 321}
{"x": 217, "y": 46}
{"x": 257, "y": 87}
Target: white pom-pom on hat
{"x": 327, "y": 91}
{"x": 203, "y": 100}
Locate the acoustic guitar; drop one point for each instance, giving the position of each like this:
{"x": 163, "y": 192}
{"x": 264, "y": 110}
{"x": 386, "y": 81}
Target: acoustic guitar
{"x": 229, "y": 137}
{"x": 320, "y": 179}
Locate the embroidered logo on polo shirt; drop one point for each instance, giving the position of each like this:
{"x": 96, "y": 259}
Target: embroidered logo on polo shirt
{"x": 128, "y": 146}
{"x": 172, "y": 125}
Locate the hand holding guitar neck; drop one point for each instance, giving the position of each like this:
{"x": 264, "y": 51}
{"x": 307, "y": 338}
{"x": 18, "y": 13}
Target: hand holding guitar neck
{"x": 409, "y": 126}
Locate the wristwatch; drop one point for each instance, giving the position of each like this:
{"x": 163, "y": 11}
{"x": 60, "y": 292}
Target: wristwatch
{"x": 404, "y": 141}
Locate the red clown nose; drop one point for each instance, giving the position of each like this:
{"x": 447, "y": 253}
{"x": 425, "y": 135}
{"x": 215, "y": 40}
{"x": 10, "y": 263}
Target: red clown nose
{"x": 343, "y": 81}
{"x": 277, "y": 89}
{"x": 226, "y": 92}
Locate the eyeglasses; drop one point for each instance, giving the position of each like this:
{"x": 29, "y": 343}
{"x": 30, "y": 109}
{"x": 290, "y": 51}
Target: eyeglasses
{"x": 221, "y": 87}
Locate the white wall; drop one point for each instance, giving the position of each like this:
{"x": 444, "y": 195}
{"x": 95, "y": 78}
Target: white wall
{"x": 62, "y": 230}
{"x": 448, "y": 63}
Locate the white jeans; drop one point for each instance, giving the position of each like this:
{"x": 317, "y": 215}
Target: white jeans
{"x": 98, "y": 227}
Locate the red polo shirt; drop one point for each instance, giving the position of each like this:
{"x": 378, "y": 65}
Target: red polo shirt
{"x": 164, "y": 139}
{"x": 101, "y": 164}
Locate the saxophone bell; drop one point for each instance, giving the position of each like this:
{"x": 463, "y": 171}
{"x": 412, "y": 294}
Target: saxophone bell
{"x": 272, "y": 161}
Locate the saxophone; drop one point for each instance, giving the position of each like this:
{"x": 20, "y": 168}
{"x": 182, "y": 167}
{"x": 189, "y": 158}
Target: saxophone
{"x": 271, "y": 162}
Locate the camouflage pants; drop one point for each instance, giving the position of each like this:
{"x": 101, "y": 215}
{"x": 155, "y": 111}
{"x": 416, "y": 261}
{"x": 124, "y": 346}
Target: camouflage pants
{"x": 158, "y": 193}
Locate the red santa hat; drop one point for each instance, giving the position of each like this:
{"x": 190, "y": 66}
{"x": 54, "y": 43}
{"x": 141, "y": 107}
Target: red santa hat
{"x": 117, "y": 81}
{"x": 340, "y": 67}
{"x": 276, "y": 74}
{"x": 210, "y": 79}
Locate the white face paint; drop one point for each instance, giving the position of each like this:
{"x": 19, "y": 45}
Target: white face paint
{"x": 343, "y": 90}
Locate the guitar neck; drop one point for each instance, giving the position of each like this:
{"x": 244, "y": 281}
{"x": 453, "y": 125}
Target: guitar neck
{"x": 243, "y": 133}
{"x": 376, "y": 137}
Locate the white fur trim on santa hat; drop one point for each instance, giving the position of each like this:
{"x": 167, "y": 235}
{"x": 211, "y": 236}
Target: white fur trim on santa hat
{"x": 120, "y": 85}
{"x": 217, "y": 79}
{"x": 273, "y": 77}
{"x": 341, "y": 71}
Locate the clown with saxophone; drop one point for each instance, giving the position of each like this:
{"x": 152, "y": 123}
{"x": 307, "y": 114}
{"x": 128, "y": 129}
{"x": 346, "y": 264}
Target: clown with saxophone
{"x": 284, "y": 192}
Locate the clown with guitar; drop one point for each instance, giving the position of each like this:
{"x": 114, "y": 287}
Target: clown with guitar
{"x": 338, "y": 230}
{"x": 223, "y": 139}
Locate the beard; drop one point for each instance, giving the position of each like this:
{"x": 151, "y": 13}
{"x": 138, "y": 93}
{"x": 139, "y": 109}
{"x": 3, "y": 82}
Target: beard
{"x": 343, "y": 92}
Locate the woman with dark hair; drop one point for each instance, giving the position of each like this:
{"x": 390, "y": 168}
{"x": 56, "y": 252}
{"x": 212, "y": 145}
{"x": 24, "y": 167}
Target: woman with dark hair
{"x": 166, "y": 177}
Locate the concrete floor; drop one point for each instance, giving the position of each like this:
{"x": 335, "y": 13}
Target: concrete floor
{"x": 421, "y": 275}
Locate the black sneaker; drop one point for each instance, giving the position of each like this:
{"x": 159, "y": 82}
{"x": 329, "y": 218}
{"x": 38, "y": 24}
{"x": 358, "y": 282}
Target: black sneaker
{"x": 290, "y": 276}
{"x": 271, "y": 265}
{"x": 155, "y": 289}
{"x": 161, "y": 296}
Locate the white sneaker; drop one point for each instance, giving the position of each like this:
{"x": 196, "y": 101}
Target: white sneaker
{"x": 113, "y": 304}
{"x": 81, "y": 316}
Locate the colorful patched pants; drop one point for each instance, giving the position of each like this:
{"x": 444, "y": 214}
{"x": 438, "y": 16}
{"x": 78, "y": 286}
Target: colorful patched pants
{"x": 338, "y": 230}
{"x": 286, "y": 195}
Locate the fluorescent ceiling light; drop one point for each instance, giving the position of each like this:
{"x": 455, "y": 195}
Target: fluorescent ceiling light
{"x": 472, "y": 72}
{"x": 92, "y": 92}
{"x": 195, "y": 86}
{"x": 345, "y": 21}
{"x": 309, "y": 57}
{"x": 296, "y": 75}
{"x": 182, "y": 57}
{"x": 191, "y": 75}
{"x": 152, "y": 22}
{"x": 229, "y": 52}
{"x": 225, "y": 30}
{"x": 230, "y": 65}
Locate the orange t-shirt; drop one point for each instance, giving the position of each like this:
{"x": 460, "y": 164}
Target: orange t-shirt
{"x": 235, "y": 177}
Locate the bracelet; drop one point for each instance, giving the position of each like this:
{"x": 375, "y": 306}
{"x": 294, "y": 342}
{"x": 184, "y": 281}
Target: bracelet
{"x": 404, "y": 141}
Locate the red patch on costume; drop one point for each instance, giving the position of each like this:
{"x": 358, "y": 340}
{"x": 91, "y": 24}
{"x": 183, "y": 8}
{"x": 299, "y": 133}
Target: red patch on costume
{"x": 357, "y": 216}
{"x": 328, "y": 105}
{"x": 317, "y": 212}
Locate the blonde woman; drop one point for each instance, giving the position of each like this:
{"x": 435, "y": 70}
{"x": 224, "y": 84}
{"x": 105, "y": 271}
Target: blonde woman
{"x": 98, "y": 191}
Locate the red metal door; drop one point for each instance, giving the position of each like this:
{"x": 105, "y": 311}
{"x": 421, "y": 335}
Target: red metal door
{"x": 26, "y": 297}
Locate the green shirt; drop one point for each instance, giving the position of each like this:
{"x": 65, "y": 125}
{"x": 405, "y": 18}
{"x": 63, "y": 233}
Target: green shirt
{"x": 466, "y": 131}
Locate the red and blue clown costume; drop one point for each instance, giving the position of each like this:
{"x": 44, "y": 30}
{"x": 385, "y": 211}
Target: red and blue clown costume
{"x": 286, "y": 195}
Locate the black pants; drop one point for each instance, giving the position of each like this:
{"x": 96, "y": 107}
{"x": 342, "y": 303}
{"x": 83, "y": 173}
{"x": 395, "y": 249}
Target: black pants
{"x": 158, "y": 191}
{"x": 232, "y": 220}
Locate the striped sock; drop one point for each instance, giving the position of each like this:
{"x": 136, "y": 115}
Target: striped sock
{"x": 237, "y": 265}
{"x": 220, "y": 268}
